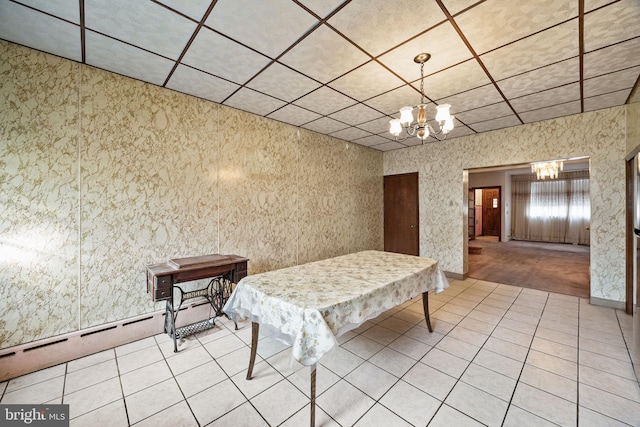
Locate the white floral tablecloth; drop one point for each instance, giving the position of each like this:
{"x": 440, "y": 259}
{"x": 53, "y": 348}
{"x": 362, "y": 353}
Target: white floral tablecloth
{"x": 309, "y": 305}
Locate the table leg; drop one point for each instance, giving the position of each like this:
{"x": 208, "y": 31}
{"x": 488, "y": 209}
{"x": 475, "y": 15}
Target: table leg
{"x": 313, "y": 396}
{"x": 255, "y": 328}
{"x": 425, "y": 306}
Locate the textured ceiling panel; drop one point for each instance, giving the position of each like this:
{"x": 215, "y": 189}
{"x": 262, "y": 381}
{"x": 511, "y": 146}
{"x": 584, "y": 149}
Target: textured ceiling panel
{"x": 394, "y": 21}
{"x": 281, "y": 22}
{"x": 499, "y": 22}
{"x": 345, "y": 67}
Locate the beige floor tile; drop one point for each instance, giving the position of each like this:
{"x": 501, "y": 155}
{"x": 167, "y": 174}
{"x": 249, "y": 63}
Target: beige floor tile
{"x": 188, "y": 359}
{"x": 89, "y": 376}
{"x": 264, "y": 376}
{"x": 131, "y": 361}
{"x": 418, "y": 410}
{"x": 91, "y": 360}
{"x": 115, "y": 412}
{"x": 477, "y": 404}
{"x": 363, "y": 346}
{"x": 226, "y": 397}
{"x": 614, "y": 384}
{"x": 137, "y": 346}
{"x": 301, "y": 418}
{"x": 589, "y": 418}
{"x": 553, "y": 364}
{"x": 175, "y": 415}
{"x": 344, "y": 403}
{"x": 341, "y": 361}
{"x": 445, "y": 362}
{"x": 448, "y": 417}
{"x": 383, "y": 335}
{"x": 243, "y": 415}
{"x": 512, "y": 336}
{"x": 410, "y": 347}
{"x": 402, "y": 321}
{"x": 237, "y": 361}
{"x": 147, "y": 376}
{"x": 38, "y": 393}
{"x": 554, "y": 348}
{"x": 607, "y": 364}
{"x": 200, "y": 378}
{"x": 517, "y": 417}
{"x": 469, "y": 336}
{"x": 550, "y": 382}
{"x": 379, "y": 416}
{"x": 557, "y": 336}
{"x": 487, "y": 313}
{"x": 372, "y": 380}
{"x": 613, "y": 351}
{"x": 489, "y": 381}
{"x": 152, "y": 400}
{"x": 94, "y": 397}
{"x": 458, "y": 348}
{"x": 36, "y": 377}
{"x": 499, "y": 363}
{"x": 506, "y": 348}
{"x": 514, "y": 325}
{"x": 325, "y": 379}
{"x": 610, "y": 405}
{"x": 475, "y": 325}
{"x": 224, "y": 345}
{"x": 392, "y": 361}
{"x": 545, "y": 405}
{"x": 430, "y": 380}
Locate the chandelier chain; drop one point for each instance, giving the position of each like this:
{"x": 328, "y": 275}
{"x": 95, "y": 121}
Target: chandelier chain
{"x": 422, "y": 83}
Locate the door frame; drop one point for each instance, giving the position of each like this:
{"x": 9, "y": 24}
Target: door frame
{"x": 415, "y": 227}
{"x": 499, "y": 187}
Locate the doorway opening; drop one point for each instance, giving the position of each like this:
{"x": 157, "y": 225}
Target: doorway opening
{"x": 534, "y": 246}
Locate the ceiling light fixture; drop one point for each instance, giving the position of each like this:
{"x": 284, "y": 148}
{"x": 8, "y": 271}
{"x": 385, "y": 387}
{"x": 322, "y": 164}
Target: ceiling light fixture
{"x": 421, "y": 128}
{"x": 547, "y": 169}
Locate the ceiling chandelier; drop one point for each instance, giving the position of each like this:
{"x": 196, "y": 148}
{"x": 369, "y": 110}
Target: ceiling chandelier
{"x": 421, "y": 128}
{"x": 547, "y": 169}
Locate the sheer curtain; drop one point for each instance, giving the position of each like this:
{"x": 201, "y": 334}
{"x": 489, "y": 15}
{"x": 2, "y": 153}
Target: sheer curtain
{"x": 556, "y": 210}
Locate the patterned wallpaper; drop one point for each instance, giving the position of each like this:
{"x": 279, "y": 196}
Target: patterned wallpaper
{"x": 443, "y": 185}
{"x": 101, "y": 174}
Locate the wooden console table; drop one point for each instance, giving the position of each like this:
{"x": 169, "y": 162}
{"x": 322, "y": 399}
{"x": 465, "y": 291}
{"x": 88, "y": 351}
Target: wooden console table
{"x": 163, "y": 280}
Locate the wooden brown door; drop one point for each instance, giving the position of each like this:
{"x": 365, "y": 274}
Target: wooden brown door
{"x": 401, "y": 231}
{"x": 491, "y": 212}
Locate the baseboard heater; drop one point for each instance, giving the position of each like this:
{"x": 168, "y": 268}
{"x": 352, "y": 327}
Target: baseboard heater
{"x": 26, "y": 358}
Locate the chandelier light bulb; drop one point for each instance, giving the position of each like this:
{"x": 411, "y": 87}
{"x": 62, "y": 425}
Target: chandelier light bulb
{"x": 395, "y": 127}
{"x": 442, "y": 113}
{"x": 406, "y": 115}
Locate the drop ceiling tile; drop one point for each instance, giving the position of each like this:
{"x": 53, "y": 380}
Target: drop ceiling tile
{"x": 482, "y": 114}
{"x": 498, "y": 123}
{"x": 65, "y": 9}
{"x": 388, "y": 146}
{"x": 356, "y": 114}
{"x": 324, "y": 55}
{"x": 222, "y": 57}
{"x": 269, "y": 26}
{"x": 560, "y": 73}
{"x": 282, "y": 82}
{"x": 391, "y": 102}
{"x": 349, "y": 134}
{"x": 459, "y": 130}
{"x": 444, "y": 45}
{"x": 623, "y": 79}
{"x": 325, "y": 101}
{"x": 294, "y": 115}
{"x": 606, "y": 100}
{"x": 322, "y": 7}
{"x": 27, "y": 27}
{"x": 200, "y": 84}
{"x": 551, "y": 112}
{"x": 612, "y": 24}
{"x": 495, "y": 23}
{"x": 254, "y": 102}
{"x": 547, "y": 98}
{"x": 325, "y": 125}
{"x": 143, "y": 24}
{"x": 366, "y": 81}
{"x": 377, "y": 126}
{"x": 394, "y": 22}
{"x": 194, "y": 9}
{"x": 112, "y": 55}
{"x": 451, "y": 81}
{"x": 547, "y": 47}
{"x": 456, "y": 6}
{"x": 472, "y": 99}
{"x": 612, "y": 58}
{"x": 589, "y": 5}
{"x": 369, "y": 141}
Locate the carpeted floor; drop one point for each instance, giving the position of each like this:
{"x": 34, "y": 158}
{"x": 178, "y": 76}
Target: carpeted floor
{"x": 555, "y": 267}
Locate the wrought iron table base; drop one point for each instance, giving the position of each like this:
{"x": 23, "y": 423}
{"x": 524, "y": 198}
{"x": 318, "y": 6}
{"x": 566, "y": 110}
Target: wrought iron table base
{"x": 216, "y": 293}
